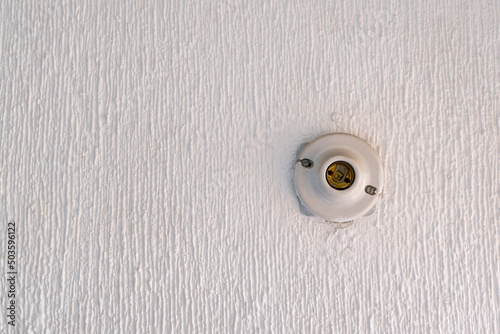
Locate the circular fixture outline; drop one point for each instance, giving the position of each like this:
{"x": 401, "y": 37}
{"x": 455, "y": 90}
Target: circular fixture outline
{"x": 322, "y": 200}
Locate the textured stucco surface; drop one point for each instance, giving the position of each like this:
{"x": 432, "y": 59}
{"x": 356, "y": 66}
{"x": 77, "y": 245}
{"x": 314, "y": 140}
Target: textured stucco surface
{"x": 146, "y": 155}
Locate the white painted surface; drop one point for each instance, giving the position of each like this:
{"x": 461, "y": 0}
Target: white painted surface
{"x": 146, "y": 154}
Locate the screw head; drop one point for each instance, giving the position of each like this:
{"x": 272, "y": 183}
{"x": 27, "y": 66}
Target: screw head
{"x": 306, "y": 163}
{"x": 370, "y": 190}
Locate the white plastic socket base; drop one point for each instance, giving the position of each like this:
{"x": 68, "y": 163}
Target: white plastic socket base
{"x": 319, "y": 197}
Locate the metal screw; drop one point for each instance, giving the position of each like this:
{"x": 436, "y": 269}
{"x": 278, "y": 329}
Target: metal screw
{"x": 306, "y": 163}
{"x": 370, "y": 190}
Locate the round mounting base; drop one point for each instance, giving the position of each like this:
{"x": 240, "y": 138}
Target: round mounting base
{"x": 338, "y": 177}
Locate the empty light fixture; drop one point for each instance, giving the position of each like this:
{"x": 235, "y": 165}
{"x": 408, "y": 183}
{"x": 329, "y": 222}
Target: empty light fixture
{"x": 338, "y": 177}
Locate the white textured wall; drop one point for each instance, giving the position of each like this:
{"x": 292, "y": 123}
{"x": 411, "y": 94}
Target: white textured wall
{"x": 146, "y": 154}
